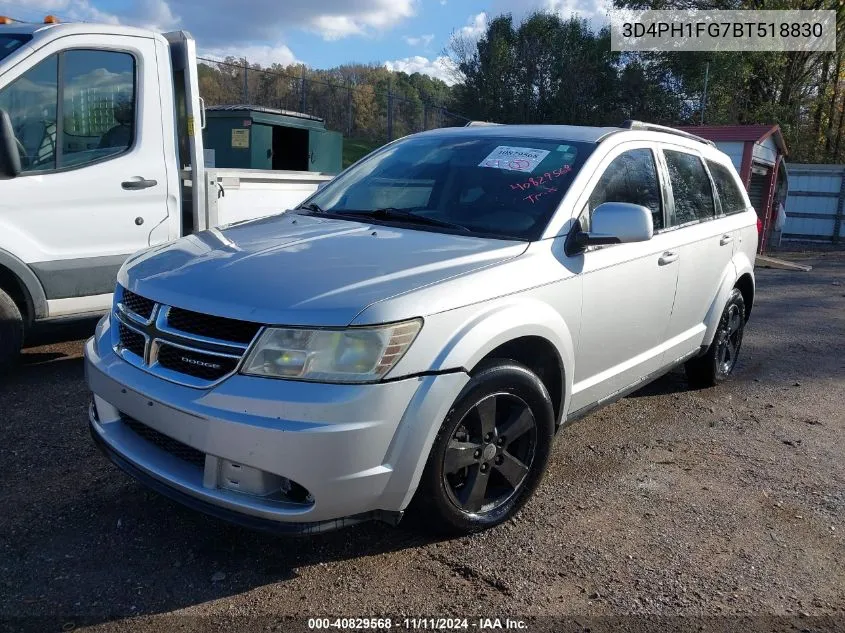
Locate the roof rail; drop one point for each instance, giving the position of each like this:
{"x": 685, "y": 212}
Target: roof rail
{"x": 480, "y": 123}
{"x": 640, "y": 125}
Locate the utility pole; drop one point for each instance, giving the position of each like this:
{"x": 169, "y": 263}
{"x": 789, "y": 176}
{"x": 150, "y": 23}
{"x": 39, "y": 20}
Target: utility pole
{"x": 348, "y": 108}
{"x": 246, "y": 82}
{"x": 302, "y": 101}
{"x": 389, "y": 110}
{"x": 704, "y": 96}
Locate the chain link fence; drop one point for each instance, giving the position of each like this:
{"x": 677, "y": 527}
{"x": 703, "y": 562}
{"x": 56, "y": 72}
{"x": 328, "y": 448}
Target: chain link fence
{"x": 359, "y": 110}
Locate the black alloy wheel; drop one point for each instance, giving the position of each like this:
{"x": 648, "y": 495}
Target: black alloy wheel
{"x": 490, "y": 453}
{"x": 719, "y": 361}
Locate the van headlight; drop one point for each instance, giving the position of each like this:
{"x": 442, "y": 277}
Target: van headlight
{"x": 355, "y": 354}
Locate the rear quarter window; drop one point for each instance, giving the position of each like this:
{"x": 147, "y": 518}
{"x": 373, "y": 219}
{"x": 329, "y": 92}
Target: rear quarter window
{"x": 727, "y": 189}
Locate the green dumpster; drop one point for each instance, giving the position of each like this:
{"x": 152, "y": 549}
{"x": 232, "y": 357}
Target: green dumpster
{"x": 254, "y": 137}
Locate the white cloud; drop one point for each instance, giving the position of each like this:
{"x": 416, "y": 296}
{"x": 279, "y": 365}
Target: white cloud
{"x": 596, "y": 11}
{"x": 357, "y": 17}
{"x": 151, "y": 14}
{"x": 476, "y": 26}
{"x": 422, "y": 40}
{"x": 265, "y": 56}
{"x": 439, "y": 68}
{"x": 222, "y": 23}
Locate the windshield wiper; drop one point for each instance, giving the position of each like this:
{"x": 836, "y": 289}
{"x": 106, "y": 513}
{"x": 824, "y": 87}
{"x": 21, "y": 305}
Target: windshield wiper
{"x": 313, "y": 207}
{"x": 406, "y": 215}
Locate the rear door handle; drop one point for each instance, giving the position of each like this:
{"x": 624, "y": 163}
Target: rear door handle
{"x": 726, "y": 239}
{"x": 667, "y": 258}
{"x": 136, "y": 185}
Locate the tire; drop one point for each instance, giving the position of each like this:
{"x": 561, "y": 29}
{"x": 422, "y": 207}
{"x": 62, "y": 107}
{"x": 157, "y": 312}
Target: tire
{"x": 11, "y": 331}
{"x": 501, "y": 396}
{"x": 718, "y": 362}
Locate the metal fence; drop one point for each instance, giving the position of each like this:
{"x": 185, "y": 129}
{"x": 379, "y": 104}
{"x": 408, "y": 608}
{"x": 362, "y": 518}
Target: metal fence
{"x": 358, "y": 110}
{"x": 815, "y": 206}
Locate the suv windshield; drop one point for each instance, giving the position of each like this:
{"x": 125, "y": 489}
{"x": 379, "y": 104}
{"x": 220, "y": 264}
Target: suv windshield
{"x": 500, "y": 186}
{"x": 10, "y": 43}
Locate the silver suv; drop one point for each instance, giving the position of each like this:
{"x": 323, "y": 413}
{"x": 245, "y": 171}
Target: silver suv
{"x": 418, "y": 330}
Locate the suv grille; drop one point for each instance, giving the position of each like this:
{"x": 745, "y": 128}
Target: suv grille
{"x": 131, "y": 341}
{"x": 141, "y": 306}
{"x": 212, "y": 326}
{"x": 179, "y": 345}
{"x": 165, "y": 443}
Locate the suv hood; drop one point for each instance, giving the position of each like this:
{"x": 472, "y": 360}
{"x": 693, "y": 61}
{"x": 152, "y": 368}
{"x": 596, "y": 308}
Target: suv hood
{"x": 295, "y": 269}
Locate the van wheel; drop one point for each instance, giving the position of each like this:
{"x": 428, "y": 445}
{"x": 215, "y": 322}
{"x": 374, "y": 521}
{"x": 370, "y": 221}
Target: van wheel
{"x": 490, "y": 452}
{"x": 11, "y": 331}
{"x": 720, "y": 359}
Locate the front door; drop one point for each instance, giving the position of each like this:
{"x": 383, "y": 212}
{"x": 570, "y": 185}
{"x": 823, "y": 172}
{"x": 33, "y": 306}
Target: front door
{"x": 628, "y": 289}
{"x": 94, "y": 181}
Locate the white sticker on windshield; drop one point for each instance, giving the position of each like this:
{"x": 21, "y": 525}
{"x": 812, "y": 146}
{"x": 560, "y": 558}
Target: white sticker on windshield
{"x": 514, "y": 158}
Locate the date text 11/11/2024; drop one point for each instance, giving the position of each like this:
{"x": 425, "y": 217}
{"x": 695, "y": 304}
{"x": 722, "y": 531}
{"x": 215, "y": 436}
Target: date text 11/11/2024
{"x": 417, "y": 624}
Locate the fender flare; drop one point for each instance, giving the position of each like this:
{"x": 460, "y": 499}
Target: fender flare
{"x": 33, "y": 291}
{"x": 714, "y": 313}
{"x": 505, "y": 322}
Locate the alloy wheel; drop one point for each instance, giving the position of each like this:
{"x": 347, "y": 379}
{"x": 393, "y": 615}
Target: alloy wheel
{"x": 730, "y": 339}
{"x": 490, "y": 453}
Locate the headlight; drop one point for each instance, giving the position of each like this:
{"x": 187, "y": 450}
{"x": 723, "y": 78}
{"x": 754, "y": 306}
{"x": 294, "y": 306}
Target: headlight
{"x": 356, "y": 354}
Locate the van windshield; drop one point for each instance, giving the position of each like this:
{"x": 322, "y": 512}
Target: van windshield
{"x": 497, "y": 186}
{"x": 10, "y": 43}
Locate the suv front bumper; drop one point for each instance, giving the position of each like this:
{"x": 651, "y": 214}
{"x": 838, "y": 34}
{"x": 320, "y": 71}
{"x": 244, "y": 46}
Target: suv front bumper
{"x": 234, "y": 449}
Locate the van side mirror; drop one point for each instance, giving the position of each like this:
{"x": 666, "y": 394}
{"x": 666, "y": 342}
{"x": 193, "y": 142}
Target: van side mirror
{"x": 612, "y": 223}
{"x": 10, "y": 158}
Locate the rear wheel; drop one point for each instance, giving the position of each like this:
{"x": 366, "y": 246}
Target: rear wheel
{"x": 490, "y": 452}
{"x": 11, "y": 331}
{"x": 720, "y": 359}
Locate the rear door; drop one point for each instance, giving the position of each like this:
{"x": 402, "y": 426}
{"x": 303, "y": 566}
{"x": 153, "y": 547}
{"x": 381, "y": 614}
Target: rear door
{"x": 704, "y": 245}
{"x": 732, "y": 204}
{"x": 94, "y": 184}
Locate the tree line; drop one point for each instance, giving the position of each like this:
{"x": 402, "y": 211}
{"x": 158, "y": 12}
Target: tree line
{"x": 362, "y": 101}
{"x": 548, "y": 69}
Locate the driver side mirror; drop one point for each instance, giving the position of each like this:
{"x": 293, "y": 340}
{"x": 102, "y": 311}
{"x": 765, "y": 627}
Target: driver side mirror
{"x": 612, "y": 223}
{"x": 10, "y": 158}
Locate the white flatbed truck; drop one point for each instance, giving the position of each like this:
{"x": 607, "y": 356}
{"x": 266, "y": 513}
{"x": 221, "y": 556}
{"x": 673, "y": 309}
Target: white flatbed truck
{"x": 101, "y": 155}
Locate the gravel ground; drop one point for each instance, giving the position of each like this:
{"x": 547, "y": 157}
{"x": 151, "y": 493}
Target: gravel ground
{"x": 725, "y": 505}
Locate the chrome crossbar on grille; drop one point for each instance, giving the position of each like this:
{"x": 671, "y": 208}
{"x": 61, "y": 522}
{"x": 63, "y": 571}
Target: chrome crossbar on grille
{"x": 189, "y": 350}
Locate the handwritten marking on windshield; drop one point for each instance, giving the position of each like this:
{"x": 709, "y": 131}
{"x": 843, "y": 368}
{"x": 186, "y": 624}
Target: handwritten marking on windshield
{"x": 536, "y": 181}
{"x": 533, "y": 197}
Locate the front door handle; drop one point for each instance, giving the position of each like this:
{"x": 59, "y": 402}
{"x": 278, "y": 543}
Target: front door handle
{"x": 726, "y": 239}
{"x": 667, "y": 258}
{"x": 136, "y": 185}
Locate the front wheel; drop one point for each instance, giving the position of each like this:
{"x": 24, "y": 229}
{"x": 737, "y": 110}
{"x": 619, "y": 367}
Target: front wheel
{"x": 719, "y": 360}
{"x": 11, "y": 331}
{"x": 490, "y": 453}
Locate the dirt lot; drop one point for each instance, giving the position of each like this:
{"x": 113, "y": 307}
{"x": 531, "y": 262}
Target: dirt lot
{"x": 725, "y": 503}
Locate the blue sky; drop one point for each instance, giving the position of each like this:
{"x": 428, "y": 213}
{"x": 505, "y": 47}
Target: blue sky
{"x": 408, "y": 35}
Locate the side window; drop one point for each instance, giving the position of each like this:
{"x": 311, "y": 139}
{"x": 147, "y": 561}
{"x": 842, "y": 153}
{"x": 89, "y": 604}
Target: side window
{"x": 31, "y": 102}
{"x": 98, "y": 105}
{"x": 96, "y": 120}
{"x": 690, "y": 187}
{"x": 727, "y": 188}
{"x": 631, "y": 177}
